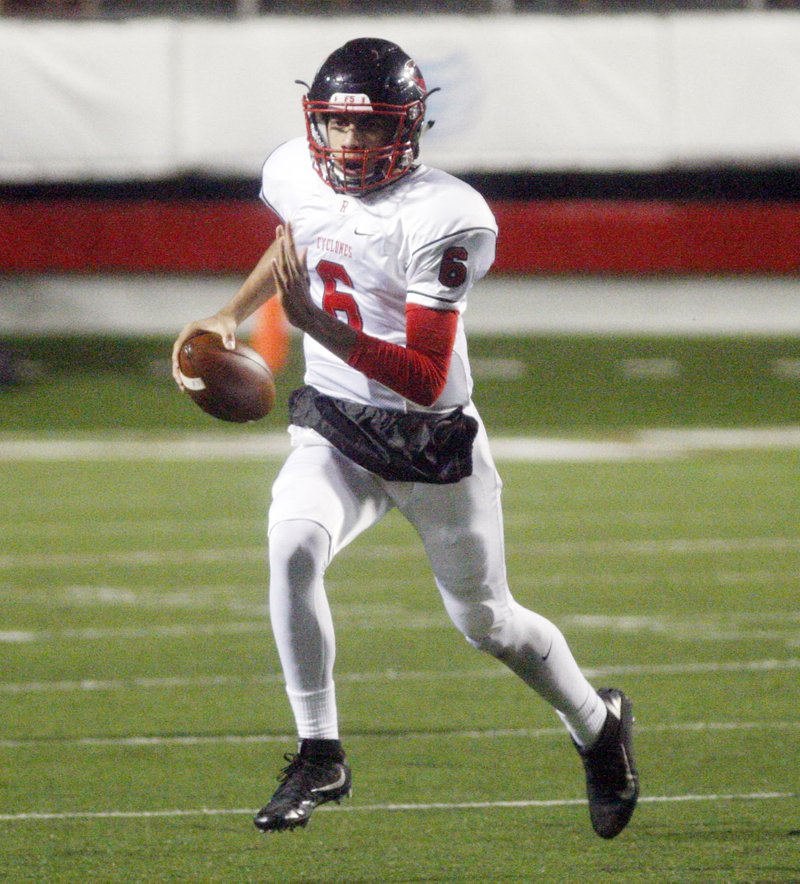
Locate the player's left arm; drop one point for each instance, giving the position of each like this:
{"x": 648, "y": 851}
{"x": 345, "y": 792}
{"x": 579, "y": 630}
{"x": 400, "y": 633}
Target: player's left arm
{"x": 417, "y": 371}
{"x": 441, "y": 272}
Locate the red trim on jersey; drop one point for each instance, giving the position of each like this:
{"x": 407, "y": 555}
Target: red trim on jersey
{"x": 417, "y": 371}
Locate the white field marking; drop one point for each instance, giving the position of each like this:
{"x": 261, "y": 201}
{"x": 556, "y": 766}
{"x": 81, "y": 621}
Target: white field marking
{"x": 222, "y": 596}
{"x": 782, "y": 625}
{"x": 646, "y": 444}
{"x": 767, "y": 626}
{"x": 92, "y": 633}
{"x": 555, "y": 450}
{"x": 762, "y": 575}
{"x": 130, "y": 447}
{"x": 198, "y": 598}
{"x": 586, "y": 518}
{"x": 574, "y": 548}
{"x": 250, "y": 599}
{"x": 488, "y": 734}
{"x": 720, "y": 627}
{"x": 207, "y": 681}
{"x": 116, "y": 527}
{"x": 141, "y": 683}
{"x": 134, "y": 558}
{"x": 610, "y": 578}
{"x": 719, "y": 439}
{"x": 244, "y": 598}
{"x": 383, "y": 808}
{"x": 646, "y": 547}
{"x": 676, "y": 546}
{"x": 581, "y": 516}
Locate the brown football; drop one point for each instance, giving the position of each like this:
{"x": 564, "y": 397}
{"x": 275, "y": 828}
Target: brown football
{"x": 232, "y": 385}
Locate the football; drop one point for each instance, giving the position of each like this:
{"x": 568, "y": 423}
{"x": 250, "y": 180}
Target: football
{"x": 232, "y": 385}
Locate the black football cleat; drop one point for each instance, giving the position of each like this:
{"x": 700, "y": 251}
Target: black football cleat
{"x": 612, "y": 783}
{"x": 311, "y": 778}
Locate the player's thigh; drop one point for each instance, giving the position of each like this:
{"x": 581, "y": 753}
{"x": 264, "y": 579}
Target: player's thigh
{"x": 461, "y": 526}
{"x": 319, "y": 484}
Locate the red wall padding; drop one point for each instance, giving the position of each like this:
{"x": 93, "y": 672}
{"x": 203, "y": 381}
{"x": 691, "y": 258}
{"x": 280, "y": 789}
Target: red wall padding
{"x": 559, "y": 236}
{"x": 191, "y": 236}
{"x": 649, "y": 237}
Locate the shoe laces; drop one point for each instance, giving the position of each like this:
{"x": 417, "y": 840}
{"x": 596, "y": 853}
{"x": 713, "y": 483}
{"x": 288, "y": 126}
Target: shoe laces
{"x": 295, "y": 763}
{"x": 300, "y": 774}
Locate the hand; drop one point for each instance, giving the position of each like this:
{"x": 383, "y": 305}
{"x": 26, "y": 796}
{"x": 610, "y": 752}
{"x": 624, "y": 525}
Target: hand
{"x": 292, "y": 284}
{"x": 220, "y": 323}
{"x": 291, "y": 277}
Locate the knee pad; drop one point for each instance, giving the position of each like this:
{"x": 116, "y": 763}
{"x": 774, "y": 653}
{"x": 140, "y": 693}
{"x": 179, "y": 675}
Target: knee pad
{"x": 492, "y": 643}
{"x": 300, "y": 547}
{"x": 512, "y": 629}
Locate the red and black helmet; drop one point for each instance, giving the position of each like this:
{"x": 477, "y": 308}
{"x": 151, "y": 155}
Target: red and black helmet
{"x": 366, "y": 76}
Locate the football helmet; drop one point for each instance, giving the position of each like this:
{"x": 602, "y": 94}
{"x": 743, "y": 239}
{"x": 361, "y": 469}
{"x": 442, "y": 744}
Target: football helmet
{"x": 366, "y": 76}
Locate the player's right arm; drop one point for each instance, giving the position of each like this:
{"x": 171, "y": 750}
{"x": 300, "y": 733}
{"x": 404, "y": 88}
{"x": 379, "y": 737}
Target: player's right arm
{"x": 258, "y": 288}
{"x": 417, "y": 370}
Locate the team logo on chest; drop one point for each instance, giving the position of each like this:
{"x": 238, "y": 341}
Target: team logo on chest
{"x": 333, "y": 246}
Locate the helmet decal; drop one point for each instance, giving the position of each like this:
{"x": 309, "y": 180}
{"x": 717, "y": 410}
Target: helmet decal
{"x": 415, "y": 74}
{"x": 350, "y": 101}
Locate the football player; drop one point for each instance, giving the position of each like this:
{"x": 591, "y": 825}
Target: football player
{"x": 373, "y": 262}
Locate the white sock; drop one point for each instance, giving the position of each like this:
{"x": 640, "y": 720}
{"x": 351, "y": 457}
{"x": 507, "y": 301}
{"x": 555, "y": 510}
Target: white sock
{"x": 315, "y": 714}
{"x": 585, "y": 724}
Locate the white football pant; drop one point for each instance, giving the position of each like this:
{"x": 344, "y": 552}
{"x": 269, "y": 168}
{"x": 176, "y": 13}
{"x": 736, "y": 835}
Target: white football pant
{"x": 321, "y": 501}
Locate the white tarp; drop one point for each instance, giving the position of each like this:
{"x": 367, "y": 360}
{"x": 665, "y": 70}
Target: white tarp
{"x": 142, "y": 98}
{"x": 737, "y": 88}
{"x": 83, "y": 100}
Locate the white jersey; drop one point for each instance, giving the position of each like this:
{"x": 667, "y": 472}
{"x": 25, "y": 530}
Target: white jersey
{"x": 424, "y": 240}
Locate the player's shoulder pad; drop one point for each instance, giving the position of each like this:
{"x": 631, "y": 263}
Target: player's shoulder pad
{"x": 287, "y": 165}
{"x": 288, "y": 153}
{"x": 438, "y": 204}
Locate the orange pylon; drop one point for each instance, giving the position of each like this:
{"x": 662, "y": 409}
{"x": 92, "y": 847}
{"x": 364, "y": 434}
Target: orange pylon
{"x": 270, "y": 335}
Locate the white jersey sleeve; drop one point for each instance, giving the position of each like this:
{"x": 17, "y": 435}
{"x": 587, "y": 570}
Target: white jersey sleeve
{"x": 444, "y": 271}
{"x": 451, "y": 241}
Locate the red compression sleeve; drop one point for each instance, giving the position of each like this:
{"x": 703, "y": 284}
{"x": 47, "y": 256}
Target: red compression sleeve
{"x": 417, "y": 371}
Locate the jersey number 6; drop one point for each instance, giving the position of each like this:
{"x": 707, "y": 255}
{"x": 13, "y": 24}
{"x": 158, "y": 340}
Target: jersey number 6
{"x": 453, "y": 270}
{"x": 342, "y": 305}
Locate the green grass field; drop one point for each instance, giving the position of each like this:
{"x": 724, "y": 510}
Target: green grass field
{"x": 142, "y": 712}
{"x": 548, "y": 383}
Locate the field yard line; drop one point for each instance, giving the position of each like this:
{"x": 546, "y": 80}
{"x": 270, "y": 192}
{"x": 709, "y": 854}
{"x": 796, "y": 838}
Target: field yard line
{"x": 381, "y": 808}
{"x": 104, "y": 526}
{"x": 732, "y": 627}
{"x": 134, "y": 558}
{"x": 645, "y": 444}
{"x": 93, "y": 633}
{"x": 162, "y": 557}
{"x": 487, "y": 734}
{"x": 205, "y": 681}
{"x": 132, "y": 447}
